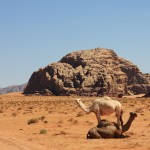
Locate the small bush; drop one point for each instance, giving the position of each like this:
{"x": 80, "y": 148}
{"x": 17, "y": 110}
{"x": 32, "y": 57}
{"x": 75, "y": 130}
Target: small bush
{"x": 42, "y": 118}
{"x": 43, "y": 131}
{"x": 33, "y": 120}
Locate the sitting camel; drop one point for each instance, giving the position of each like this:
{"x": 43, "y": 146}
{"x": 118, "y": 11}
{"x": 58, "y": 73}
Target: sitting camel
{"x": 106, "y": 129}
{"x": 104, "y": 106}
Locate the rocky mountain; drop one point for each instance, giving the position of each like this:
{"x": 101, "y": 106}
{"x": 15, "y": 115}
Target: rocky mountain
{"x": 14, "y": 88}
{"x": 82, "y": 72}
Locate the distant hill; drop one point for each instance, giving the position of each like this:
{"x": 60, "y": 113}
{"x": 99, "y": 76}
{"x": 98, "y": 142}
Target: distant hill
{"x": 13, "y": 88}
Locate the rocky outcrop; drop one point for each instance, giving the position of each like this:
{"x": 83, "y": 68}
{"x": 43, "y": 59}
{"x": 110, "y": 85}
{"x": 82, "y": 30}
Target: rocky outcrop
{"x": 147, "y": 75}
{"x": 138, "y": 82}
{"x": 81, "y": 72}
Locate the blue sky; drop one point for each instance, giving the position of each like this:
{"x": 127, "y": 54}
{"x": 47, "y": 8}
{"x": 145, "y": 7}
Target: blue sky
{"x": 35, "y": 33}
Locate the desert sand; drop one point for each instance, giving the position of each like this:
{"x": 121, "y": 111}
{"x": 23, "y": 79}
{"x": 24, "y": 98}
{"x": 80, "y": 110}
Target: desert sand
{"x": 60, "y": 124}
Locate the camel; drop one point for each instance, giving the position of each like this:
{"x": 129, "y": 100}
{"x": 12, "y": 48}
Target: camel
{"x": 104, "y": 106}
{"x": 106, "y": 129}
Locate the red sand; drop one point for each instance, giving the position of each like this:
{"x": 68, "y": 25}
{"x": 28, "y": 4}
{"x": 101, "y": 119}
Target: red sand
{"x": 65, "y": 124}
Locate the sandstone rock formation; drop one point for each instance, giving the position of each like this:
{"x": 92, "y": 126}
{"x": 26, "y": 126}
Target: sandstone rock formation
{"x": 147, "y": 76}
{"x": 80, "y": 73}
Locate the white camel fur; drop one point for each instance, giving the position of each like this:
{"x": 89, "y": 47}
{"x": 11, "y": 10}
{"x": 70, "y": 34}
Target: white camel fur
{"x": 104, "y": 106}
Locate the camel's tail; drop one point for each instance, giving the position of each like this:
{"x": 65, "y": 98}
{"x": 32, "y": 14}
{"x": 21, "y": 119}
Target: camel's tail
{"x": 85, "y": 108}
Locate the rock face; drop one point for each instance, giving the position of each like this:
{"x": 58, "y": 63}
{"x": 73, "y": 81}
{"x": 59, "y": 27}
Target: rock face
{"x": 147, "y": 76}
{"x": 138, "y": 82}
{"x": 81, "y": 72}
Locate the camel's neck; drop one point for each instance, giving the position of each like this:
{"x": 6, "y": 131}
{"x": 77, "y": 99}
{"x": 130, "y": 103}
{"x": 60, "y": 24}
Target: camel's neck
{"x": 127, "y": 125}
{"x": 85, "y": 108}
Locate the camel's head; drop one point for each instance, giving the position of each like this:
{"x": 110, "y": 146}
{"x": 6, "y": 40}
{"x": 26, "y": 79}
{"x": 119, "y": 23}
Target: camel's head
{"x": 133, "y": 115}
{"x": 78, "y": 100}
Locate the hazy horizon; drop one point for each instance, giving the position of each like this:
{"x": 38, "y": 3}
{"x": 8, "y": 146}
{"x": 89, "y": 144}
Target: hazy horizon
{"x": 37, "y": 33}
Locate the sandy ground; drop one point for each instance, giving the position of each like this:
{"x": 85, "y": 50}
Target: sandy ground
{"x": 62, "y": 125}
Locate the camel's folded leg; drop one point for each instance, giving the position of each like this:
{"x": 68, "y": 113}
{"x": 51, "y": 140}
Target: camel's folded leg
{"x": 121, "y": 120}
{"x": 93, "y": 134}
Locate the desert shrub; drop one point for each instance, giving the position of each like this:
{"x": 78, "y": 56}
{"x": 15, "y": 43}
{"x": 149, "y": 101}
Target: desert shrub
{"x": 42, "y": 118}
{"x": 33, "y": 120}
{"x": 43, "y": 131}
